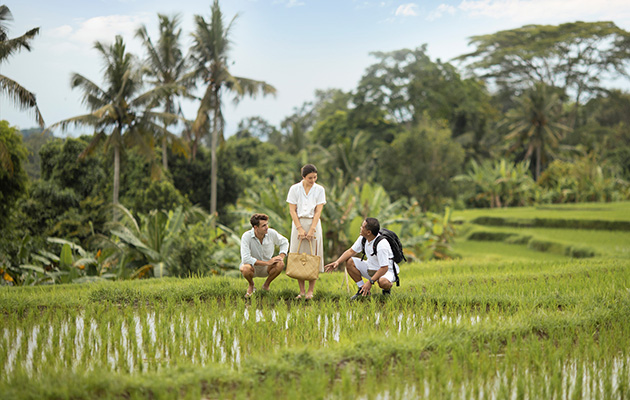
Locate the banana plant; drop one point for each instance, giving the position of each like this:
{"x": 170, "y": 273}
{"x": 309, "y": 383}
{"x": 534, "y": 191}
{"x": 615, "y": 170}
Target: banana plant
{"x": 147, "y": 245}
{"x": 73, "y": 264}
{"x": 499, "y": 183}
{"x": 268, "y": 199}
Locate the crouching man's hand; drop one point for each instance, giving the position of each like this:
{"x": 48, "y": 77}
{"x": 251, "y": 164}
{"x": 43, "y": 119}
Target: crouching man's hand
{"x": 331, "y": 267}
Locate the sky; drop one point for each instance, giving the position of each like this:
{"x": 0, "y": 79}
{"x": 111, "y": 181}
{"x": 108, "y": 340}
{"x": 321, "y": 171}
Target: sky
{"x": 298, "y": 46}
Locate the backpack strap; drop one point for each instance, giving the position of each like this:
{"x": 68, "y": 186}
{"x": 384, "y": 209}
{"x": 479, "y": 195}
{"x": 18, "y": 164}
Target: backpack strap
{"x": 378, "y": 239}
{"x": 375, "y": 245}
{"x": 363, "y": 240}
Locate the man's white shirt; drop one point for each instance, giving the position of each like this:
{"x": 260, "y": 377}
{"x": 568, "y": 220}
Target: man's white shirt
{"x": 252, "y": 250}
{"x": 384, "y": 255}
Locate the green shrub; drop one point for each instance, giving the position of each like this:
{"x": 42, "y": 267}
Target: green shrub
{"x": 584, "y": 179}
{"x": 580, "y": 252}
{"x": 159, "y": 195}
{"x": 193, "y": 254}
{"x": 545, "y": 245}
{"x": 491, "y": 236}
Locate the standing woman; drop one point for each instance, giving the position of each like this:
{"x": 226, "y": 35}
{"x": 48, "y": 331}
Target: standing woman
{"x": 306, "y": 201}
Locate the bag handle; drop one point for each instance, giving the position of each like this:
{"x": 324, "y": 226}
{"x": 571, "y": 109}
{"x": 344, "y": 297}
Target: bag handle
{"x": 310, "y": 242}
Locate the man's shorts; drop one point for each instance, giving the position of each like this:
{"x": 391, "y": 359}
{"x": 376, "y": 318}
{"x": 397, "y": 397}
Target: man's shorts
{"x": 368, "y": 273}
{"x": 260, "y": 271}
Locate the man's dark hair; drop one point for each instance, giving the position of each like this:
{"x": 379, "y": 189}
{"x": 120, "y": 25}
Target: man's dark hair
{"x": 372, "y": 225}
{"x": 307, "y": 169}
{"x": 256, "y": 218}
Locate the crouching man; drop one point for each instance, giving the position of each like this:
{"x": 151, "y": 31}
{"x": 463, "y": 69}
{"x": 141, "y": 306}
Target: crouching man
{"x": 257, "y": 248}
{"x": 379, "y": 267}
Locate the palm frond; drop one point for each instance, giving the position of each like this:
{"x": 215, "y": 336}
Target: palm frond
{"x": 15, "y": 45}
{"x": 80, "y": 120}
{"x": 252, "y": 88}
{"x": 21, "y": 97}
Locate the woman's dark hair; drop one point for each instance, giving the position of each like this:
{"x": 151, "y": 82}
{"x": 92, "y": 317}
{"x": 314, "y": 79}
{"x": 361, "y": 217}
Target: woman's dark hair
{"x": 307, "y": 169}
{"x": 372, "y": 225}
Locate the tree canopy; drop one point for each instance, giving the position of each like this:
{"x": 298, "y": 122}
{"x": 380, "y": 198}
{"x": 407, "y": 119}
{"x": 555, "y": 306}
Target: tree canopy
{"x": 575, "y": 56}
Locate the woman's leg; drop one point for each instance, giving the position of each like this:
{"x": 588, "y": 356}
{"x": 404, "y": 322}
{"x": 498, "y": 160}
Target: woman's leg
{"x": 301, "y": 285}
{"x": 311, "y": 288}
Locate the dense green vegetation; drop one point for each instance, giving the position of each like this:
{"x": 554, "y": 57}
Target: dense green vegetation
{"x": 416, "y": 139}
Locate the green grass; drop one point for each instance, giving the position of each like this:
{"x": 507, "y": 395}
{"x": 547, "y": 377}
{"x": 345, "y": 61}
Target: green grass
{"x": 497, "y": 251}
{"x": 611, "y": 244}
{"x": 618, "y": 211}
{"x": 503, "y": 321}
{"x": 442, "y": 331}
{"x": 513, "y": 241}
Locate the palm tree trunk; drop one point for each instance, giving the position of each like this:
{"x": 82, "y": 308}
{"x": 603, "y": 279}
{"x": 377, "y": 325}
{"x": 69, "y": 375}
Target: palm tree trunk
{"x": 538, "y": 162}
{"x": 169, "y": 109}
{"x": 164, "y": 153}
{"x": 213, "y": 151}
{"x": 116, "y": 179}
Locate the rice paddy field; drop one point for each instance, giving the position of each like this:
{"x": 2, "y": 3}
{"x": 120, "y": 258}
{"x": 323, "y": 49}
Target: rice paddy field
{"x": 511, "y": 319}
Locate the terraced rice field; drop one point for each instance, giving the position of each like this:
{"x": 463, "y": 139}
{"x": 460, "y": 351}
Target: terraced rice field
{"x": 499, "y": 324}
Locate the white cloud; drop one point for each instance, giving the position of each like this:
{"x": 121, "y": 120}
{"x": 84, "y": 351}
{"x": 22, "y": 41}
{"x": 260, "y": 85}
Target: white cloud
{"x": 407, "y": 10}
{"x": 61, "y": 32}
{"x": 290, "y": 3}
{"x": 78, "y": 38}
{"x": 370, "y": 4}
{"x": 440, "y": 11}
{"x": 105, "y": 28}
{"x": 548, "y": 10}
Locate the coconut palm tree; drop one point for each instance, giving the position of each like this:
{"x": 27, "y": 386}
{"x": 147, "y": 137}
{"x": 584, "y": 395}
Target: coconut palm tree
{"x": 211, "y": 45}
{"x": 535, "y": 125}
{"x": 120, "y": 114}
{"x": 166, "y": 66}
{"x": 8, "y": 47}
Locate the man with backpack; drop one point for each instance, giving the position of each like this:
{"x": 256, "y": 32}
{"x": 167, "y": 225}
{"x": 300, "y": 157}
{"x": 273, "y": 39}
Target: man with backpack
{"x": 380, "y": 266}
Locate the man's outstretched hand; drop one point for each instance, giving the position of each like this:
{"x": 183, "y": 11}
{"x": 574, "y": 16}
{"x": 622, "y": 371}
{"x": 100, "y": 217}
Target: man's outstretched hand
{"x": 331, "y": 267}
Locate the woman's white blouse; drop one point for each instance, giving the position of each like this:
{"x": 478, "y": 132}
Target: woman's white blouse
{"x": 306, "y": 203}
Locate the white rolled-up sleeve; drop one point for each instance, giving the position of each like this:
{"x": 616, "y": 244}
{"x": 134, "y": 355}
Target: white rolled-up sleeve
{"x": 246, "y": 252}
{"x": 282, "y": 243}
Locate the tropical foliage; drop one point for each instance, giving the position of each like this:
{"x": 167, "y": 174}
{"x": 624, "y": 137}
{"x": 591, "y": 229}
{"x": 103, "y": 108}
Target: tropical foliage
{"x": 166, "y": 66}
{"x": 121, "y": 114}
{"x": 210, "y": 53}
{"x": 16, "y": 93}
{"x": 533, "y": 126}
{"x": 498, "y": 184}
{"x": 13, "y": 178}
{"x": 417, "y": 138}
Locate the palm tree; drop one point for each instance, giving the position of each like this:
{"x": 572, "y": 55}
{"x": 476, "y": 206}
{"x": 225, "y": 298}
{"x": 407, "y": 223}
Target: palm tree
{"x": 166, "y": 65}
{"x": 534, "y": 124}
{"x": 211, "y": 44}
{"x": 120, "y": 114}
{"x": 10, "y": 88}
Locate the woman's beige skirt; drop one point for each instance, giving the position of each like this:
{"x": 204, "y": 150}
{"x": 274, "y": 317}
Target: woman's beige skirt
{"x": 318, "y": 245}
